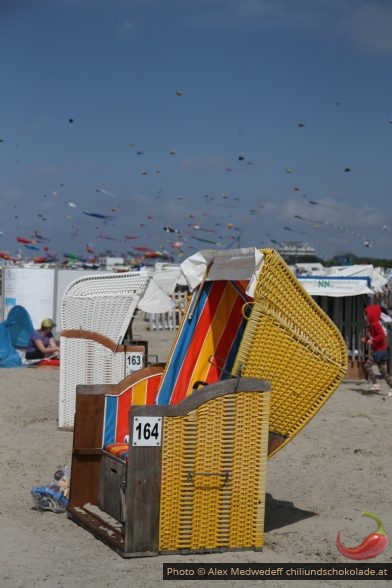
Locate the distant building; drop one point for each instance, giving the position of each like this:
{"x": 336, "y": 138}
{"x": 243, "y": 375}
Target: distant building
{"x": 295, "y": 248}
{"x": 297, "y": 251}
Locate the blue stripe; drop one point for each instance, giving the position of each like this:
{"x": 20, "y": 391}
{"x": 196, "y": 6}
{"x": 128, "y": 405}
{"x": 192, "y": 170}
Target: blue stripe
{"x": 109, "y": 430}
{"x": 179, "y": 352}
{"x": 226, "y": 372}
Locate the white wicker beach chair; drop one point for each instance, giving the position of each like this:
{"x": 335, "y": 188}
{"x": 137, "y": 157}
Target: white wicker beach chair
{"x": 96, "y": 313}
{"x": 103, "y": 303}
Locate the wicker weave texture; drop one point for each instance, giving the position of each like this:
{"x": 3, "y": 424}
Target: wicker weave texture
{"x": 103, "y": 303}
{"x": 293, "y": 344}
{"x": 85, "y": 361}
{"x": 213, "y": 475}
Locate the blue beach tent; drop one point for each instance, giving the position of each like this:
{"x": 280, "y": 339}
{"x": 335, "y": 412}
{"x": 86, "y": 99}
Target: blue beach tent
{"x": 9, "y": 357}
{"x": 20, "y": 326}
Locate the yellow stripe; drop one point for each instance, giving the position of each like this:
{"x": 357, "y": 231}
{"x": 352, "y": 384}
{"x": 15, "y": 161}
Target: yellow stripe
{"x": 139, "y": 393}
{"x": 213, "y": 335}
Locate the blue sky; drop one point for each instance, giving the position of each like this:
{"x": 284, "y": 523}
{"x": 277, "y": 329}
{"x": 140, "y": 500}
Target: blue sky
{"x": 282, "y": 131}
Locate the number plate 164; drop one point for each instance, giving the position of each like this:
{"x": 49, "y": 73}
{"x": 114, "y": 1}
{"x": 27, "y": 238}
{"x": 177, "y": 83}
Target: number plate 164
{"x": 147, "y": 431}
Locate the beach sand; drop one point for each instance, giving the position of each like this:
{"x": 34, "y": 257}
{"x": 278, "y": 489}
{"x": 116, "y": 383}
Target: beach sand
{"x": 337, "y": 467}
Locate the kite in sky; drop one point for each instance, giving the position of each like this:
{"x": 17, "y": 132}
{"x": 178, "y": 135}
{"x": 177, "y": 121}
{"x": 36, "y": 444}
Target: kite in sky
{"x": 107, "y": 237}
{"x": 97, "y": 215}
{"x": 170, "y": 230}
{"x": 106, "y": 192}
{"x": 313, "y": 202}
{"x": 295, "y": 231}
{"x": 204, "y": 240}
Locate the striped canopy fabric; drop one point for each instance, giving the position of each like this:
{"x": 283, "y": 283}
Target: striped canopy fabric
{"x": 116, "y": 423}
{"x": 204, "y": 350}
{"x": 207, "y": 341}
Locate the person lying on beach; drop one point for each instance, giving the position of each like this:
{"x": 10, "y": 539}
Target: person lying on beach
{"x": 42, "y": 343}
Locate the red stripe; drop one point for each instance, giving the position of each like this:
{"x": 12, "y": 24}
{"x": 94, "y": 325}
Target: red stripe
{"x": 195, "y": 350}
{"x": 152, "y": 388}
{"x": 123, "y": 403}
{"x": 226, "y": 340}
{"x": 196, "y": 343}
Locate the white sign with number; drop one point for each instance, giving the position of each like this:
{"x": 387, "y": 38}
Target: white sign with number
{"x": 147, "y": 431}
{"x": 133, "y": 361}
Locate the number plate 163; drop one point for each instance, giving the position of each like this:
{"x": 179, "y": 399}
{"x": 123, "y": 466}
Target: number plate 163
{"x": 147, "y": 431}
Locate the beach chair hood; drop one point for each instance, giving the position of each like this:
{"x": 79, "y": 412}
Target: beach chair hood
{"x": 233, "y": 264}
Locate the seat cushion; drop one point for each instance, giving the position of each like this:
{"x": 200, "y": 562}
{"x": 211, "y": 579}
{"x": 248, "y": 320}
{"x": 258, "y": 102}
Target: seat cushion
{"x": 119, "y": 450}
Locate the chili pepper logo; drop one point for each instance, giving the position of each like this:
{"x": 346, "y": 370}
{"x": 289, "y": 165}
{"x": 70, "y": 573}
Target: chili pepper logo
{"x": 373, "y": 545}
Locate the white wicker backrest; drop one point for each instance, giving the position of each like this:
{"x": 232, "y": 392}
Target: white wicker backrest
{"x": 103, "y": 303}
{"x": 85, "y": 361}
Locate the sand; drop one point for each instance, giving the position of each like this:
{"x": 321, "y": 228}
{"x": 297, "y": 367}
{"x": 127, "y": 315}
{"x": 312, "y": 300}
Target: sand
{"x": 338, "y": 466}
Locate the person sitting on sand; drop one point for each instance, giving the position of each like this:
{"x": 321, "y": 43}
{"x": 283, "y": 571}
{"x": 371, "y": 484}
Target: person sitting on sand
{"x": 378, "y": 347}
{"x": 42, "y": 343}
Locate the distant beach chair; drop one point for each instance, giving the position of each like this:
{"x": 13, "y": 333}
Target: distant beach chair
{"x": 96, "y": 315}
{"x": 278, "y": 335}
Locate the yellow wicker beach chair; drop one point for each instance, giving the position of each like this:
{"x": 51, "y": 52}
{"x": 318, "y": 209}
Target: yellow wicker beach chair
{"x": 292, "y": 343}
{"x": 145, "y": 499}
{"x": 194, "y": 475}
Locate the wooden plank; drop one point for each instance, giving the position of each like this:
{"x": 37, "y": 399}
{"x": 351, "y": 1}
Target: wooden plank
{"x": 274, "y": 441}
{"x": 102, "y": 530}
{"x": 202, "y": 395}
{"x": 117, "y": 389}
{"x": 142, "y": 499}
{"x": 87, "y": 439}
{"x": 111, "y": 495}
{"x": 105, "y": 341}
{"x": 88, "y": 421}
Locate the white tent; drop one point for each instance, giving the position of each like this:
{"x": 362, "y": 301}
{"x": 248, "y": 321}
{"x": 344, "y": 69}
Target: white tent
{"x": 335, "y": 286}
{"x": 377, "y": 281}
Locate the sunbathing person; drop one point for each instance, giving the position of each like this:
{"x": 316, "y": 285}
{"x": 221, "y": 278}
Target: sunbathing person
{"x": 42, "y": 343}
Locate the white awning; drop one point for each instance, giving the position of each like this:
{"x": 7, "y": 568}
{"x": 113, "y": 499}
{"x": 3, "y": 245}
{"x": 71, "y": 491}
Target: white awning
{"x": 154, "y": 299}
{"x": 335, "y": 286}
{"x": 232, "y": 264}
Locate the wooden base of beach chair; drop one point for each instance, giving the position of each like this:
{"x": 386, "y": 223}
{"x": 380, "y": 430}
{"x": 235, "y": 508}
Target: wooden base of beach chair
{"x": 112, "y": 485}
{"x": 187, "y": 486}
